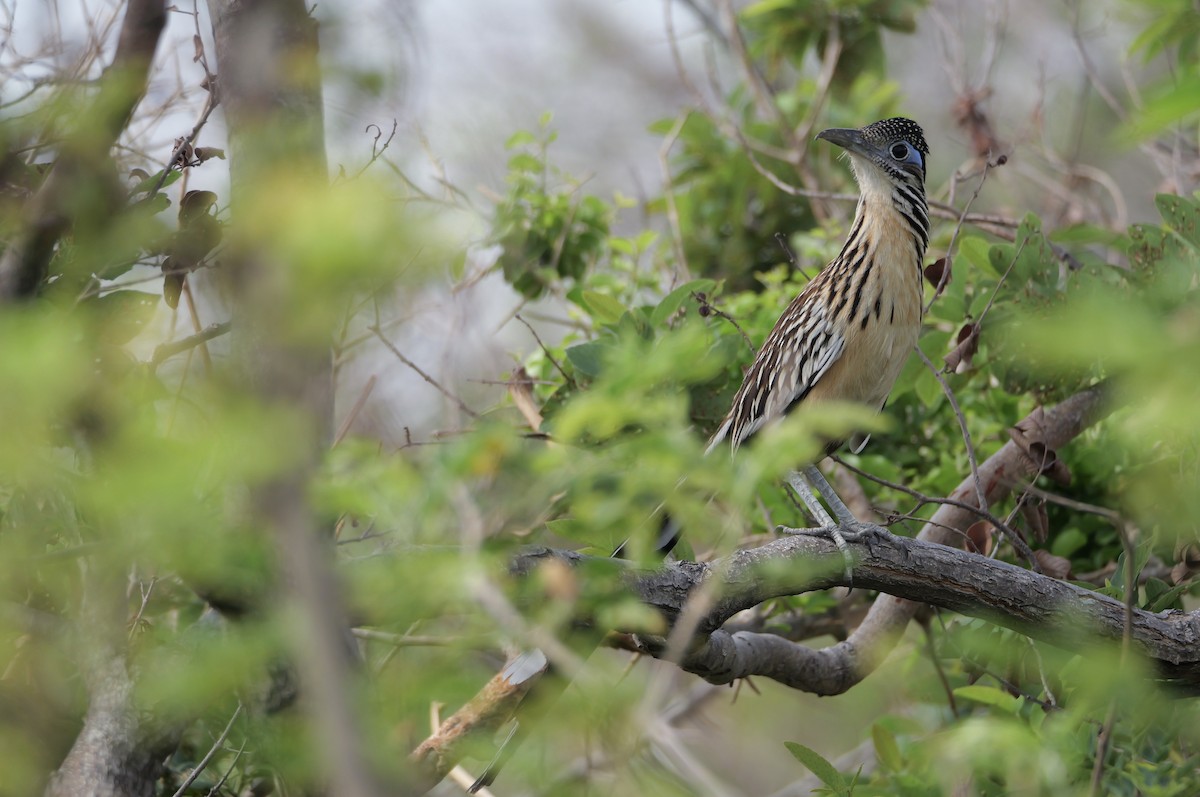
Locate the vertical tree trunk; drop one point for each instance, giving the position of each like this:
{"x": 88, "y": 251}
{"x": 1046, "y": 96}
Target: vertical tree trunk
{"x": 116, "y": 753}
{"x": 269, "y": 83}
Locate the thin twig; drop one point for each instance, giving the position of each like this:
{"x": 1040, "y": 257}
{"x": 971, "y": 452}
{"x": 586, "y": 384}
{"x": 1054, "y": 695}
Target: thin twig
{"x": 937, "y": 666}
{"x": 377, "y": 149}
{"x": 229, "y": 771}
{"x": 165, "y": 351}
{"x": 194, "y": 315}
{"x": 1003, "y": 526}
{"x": 945, "y": 277}
{"x": 962, "y": 425}
{"x": 664, "y": 155}
{"x": 355, "y": 410}
{"x": 209, "y": 755}
{"x": 1000, "y": 282}
{"x": 545, "y": 350}
{"x": 1104, "y": 738}
{"x": 374, "y": 328}
{"x": 975, "y": 664}
{"x": 711, "y": 308}
{"x": 210, "y": 105}
{"x": 137, "y": 618}
{"x": 422, "y": 641}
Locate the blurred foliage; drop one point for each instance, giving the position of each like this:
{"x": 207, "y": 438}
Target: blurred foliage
{"x": 125, "y": 476}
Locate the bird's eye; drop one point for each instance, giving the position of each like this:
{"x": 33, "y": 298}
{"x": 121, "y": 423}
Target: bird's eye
{"x": 899, "y": 151}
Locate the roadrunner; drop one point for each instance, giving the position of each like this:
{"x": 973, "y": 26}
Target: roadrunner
{"x": 844, "y": 338}
{"x": 848, "y": 334}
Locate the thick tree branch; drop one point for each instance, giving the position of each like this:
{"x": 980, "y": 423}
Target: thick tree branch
{"x": 907, "y": 571}
{"x": 835, "y": 669}
{"x": 84, "y": 157}
{"x": 1036, "y": 605}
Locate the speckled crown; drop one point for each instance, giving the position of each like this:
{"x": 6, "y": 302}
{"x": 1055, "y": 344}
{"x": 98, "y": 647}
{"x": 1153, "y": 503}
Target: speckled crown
{"x": 895, "y": 129}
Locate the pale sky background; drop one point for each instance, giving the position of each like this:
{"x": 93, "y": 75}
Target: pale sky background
{"x": 466, "y": 74}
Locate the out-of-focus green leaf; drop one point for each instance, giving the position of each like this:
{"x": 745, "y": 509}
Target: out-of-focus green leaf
{"x": 989, "y": 696}
{"x": 675, "y": 299}
{"x": 818, "y": 765}
{"x": 587, "y": 357}
{"x": 603, "y": 308}
{"x": 1181, "y": 215}
{"x": 886, "y": 749}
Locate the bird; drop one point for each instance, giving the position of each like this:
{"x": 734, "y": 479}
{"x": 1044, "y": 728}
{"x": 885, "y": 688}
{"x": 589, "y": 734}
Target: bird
{"x": 848, "y": 334}
{"x": 845, "y": 337}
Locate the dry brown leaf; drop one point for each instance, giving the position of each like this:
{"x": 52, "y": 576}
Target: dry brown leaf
{"x": 520, "y": 388}
{"x": 1034, "y": 512}
{"x": 979, "y": 537}
{"x": 959, "y": 359}
{"x": 1040, "y": 459}
{"x": 206, "y": 153}
{"x": 936, "y": 271}
{"x": 1054, "y": 566}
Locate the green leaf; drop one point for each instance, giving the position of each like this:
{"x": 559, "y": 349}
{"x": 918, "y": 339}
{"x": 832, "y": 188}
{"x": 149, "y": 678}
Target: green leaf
{"x": 989, "y": 696}
{"x": 603, "y": 307}
{"x": 524, "y": 162}
{"x": 765, "y": 7}
{"x": 521, "y": 138}
{"x": 151, "y": 181}
{"x": 570, "y": 528}
{"x": 886, "y": 749}
{"x": 587, "y": 357}
{"x": 975, "y": 250}
{"x": 819, "y": 766}
{"x": 1068, "y": 542}
{"x": 675, "y": 299}
{"x": 1141, "y": 555}
{"x": 928, "y": 389}
{"x": 1180, "y": 215}
{"x": 1160, "y": 597}
{"x": 1163, "y": 108}
{"x": 1084, "y": 234}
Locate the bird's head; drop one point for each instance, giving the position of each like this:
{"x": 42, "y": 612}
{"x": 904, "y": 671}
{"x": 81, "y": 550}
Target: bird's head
{"x": 884, "y": 154}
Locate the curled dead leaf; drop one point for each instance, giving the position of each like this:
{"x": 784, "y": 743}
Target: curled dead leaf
{"x": 1054, "y": 566}
{"x": 186, "y": 152}
{"x": 938, "y": 270}
{"x": 1034, "y": 512}
{"x": 979, "y": 537}
{"x": 1187, "y": 555}
{"x": 520, "y": 388}
{"x": 1040, "y": 459}
{"x": 207, "y": 153}
{"x": 959, "y": 359}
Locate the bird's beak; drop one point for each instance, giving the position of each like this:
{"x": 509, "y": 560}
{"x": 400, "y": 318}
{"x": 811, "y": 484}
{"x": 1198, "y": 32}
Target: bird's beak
{"x": 847, "y": 138}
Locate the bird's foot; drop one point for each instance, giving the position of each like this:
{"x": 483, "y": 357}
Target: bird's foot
{"x": 842, "y": 535}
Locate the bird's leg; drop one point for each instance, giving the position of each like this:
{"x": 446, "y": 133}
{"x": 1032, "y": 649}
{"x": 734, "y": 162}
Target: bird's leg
{"x": 816, "y": 480}
{"x": 800, "y": 482}
{"x": 808, "y": 495}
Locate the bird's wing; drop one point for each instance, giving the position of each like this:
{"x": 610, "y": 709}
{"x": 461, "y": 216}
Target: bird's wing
{"x": 801, "y": 348}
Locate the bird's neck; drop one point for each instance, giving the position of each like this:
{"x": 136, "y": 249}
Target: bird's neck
{"x": 880, "y": 197}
